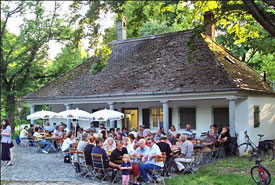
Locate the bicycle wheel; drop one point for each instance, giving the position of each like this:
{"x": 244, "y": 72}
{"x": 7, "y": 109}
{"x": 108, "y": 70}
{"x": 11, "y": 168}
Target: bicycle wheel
{"x": 267, "y": 154}
{"x": 264, "y": 178}
{"x": 245, "y": 150}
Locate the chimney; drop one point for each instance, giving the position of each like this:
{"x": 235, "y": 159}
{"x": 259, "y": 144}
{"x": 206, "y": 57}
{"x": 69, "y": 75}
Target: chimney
{"x": 121, "y": 29}
{"x": 210, "y": 26}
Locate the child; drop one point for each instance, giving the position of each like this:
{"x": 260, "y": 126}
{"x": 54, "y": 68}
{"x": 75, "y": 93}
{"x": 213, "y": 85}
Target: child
{"x": 125, "y": 167}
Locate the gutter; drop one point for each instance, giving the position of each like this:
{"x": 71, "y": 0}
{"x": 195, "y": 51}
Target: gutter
{"x": 132, "y": 94}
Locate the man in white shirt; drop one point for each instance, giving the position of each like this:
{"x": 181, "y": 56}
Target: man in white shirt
{"x": 47, "y": 127}
{"x": 149, "y": 160}
{"x": 66, "y": 129}
{"x": 67, "y": 142}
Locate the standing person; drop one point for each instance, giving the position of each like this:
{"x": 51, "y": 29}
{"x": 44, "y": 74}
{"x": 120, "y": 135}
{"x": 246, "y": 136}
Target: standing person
{"x": 6, "y": 141}
{"x": 125, "y": 167}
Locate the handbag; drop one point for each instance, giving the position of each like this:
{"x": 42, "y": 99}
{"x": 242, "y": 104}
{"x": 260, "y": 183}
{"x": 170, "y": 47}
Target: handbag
{"x": 11, "y": 144}
{"x": 67, "y": 159}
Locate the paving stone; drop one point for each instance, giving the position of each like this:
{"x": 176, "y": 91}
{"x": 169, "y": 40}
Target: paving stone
{"x": 39, "y": 168}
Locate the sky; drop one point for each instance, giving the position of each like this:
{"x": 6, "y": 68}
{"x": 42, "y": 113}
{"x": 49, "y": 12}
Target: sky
{"x": 14, "y": 22}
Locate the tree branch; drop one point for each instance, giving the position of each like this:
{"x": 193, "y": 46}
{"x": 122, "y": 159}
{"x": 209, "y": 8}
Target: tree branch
{"x": 260, "y": 17}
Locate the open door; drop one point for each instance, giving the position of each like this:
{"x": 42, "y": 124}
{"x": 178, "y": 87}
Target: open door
{"x": 130, "y": 118}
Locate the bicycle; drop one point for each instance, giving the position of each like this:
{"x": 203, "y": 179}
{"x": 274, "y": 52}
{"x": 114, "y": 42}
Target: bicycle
{"x": 264, "y": 149}
{"x": 259, "y": 173}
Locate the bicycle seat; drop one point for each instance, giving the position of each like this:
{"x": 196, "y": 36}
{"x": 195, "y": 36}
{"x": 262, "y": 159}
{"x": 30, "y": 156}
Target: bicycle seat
{"x": 260, "y": 135}
{"x": 258, "y": 160}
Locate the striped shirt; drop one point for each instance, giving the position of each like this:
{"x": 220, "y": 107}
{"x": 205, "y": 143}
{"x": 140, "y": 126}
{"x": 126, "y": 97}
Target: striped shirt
{"x": 187, "y": 149}
{"x": 188, "y": 133}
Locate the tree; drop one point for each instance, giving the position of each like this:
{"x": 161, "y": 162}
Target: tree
{"x": 24, "y": 56}
{"x": 239, "y": 30}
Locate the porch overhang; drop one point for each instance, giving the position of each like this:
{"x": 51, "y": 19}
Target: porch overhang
{"x": 141, "y": 97}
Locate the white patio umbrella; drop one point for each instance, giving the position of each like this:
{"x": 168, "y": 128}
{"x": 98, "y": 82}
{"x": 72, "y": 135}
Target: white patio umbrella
{"x": 41, "y": 115}
{"x": 105, "y": 115}
{"x": 74, "y": 114}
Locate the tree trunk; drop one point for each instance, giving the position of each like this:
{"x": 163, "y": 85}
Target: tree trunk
{"x": 10, "y": 109}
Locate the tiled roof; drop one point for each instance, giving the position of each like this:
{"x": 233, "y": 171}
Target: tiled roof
{"x": 158, "y": 63}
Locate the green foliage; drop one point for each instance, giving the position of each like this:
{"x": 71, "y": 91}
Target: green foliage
{"x": 24, "y": 63}
{"x": 100, "y": 59}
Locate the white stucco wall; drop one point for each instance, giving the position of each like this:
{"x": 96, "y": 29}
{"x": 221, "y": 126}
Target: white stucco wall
{"x": 244, "y": 119}
{"x": 267, "y": 117}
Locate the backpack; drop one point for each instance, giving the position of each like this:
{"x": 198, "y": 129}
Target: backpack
{"x": 17, "y": 139}
{"x": 265, "y": 145}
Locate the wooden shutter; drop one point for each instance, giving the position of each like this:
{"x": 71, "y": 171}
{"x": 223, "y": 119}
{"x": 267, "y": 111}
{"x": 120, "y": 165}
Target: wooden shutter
{"x": 187, "y": 115}
{"x": 146, "y": 117}
{"x": 170, "y": 117}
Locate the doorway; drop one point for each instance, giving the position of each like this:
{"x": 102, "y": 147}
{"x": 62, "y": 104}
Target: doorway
{"x": 130, "y": 118}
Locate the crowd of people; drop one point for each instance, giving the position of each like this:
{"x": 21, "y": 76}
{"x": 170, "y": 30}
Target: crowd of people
{"x": 142, "y": 143}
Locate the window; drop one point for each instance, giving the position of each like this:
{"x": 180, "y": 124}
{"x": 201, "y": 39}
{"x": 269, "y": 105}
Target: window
{"x": 157, "y": 117}
{"x": 256, "y": 116}
{"x": 187, "y": 115}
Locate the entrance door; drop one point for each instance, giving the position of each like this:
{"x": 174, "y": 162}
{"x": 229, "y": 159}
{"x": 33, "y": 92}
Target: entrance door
{"x": 130, "y": 118}
{"x": 221, "y": 116}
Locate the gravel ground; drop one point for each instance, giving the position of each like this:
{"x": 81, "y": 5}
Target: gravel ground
{"x": 39, "y": 168}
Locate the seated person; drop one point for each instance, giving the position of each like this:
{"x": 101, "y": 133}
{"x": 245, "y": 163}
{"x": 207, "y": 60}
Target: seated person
{"x": 83, "y": 143}
{"x": 142, "y": 131}
{"x": 134, "y": 132}
{"x": 88, "y": 150}
{"x": 188, "y": 133}
{"x": 41, "y": 127}
{"x": 226, "y": 138}
{"x": 112, "y": 132}
{"x": 214, "y": 127}
{"x": 24, "y": 133}
{"x": 158, "y": 136}
{"x": 208, "y": 142}
{"x": 142, "y": 149}
{"x": 79, "y": 133}
{"x": 119, "y": 137}
{"x": 48, "y": 127}
{"x": 39, "y": 139}
{"x": 31, "y": 129}
{"x": 126, "y": 144}
{"x": 99, "y": 150}
{"x": 109, "y": 144}
{"x": 67, "y": 142}
{"x": 117, "y": 155}
{"x": 164, "y": 147}
{"x": 124, "y": 132}
{"x": 187, "y": 153}
{"x": 162, "y": 131}
{"x": 148, "y": 160}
